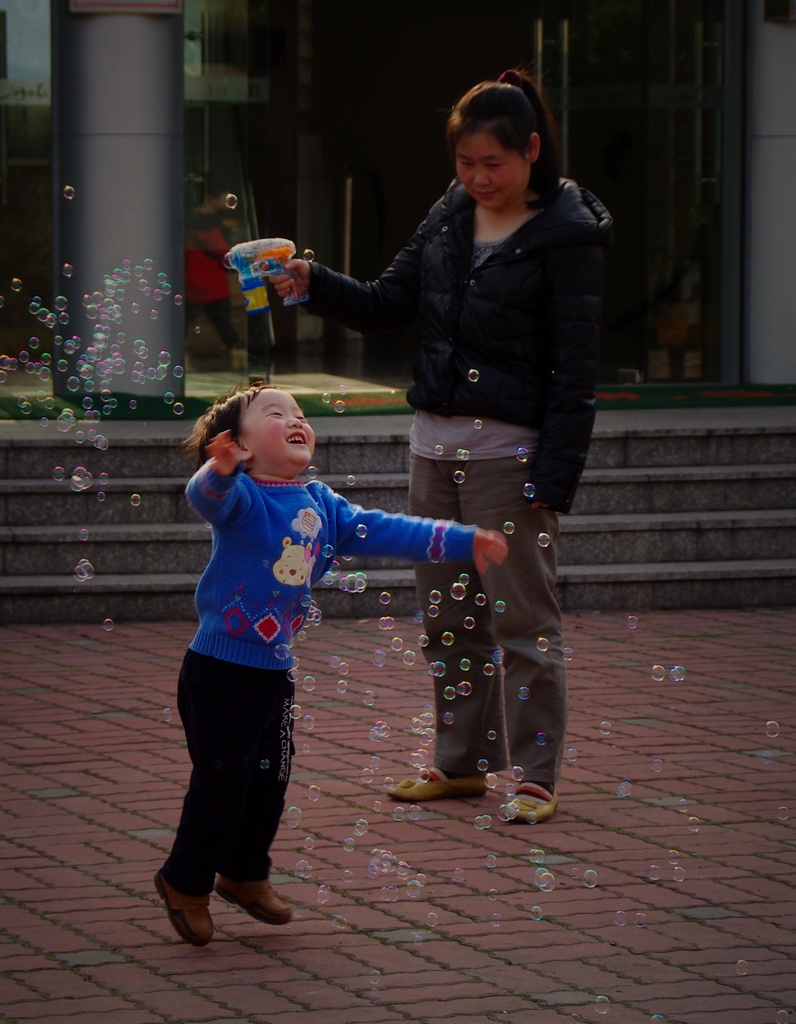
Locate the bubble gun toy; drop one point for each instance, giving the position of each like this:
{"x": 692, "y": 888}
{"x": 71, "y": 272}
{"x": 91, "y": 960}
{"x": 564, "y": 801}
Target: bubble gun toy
{"x": 256, "y": 260}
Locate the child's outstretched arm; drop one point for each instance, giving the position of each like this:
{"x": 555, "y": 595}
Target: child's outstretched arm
{"x": 222, "y": 450}
{"x": 489, "y": 548}
{"x": 215, "y": 490}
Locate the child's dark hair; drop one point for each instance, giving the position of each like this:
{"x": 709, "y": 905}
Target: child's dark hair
{"x": 510, "y": 109}
{"x": 223, "y": 414}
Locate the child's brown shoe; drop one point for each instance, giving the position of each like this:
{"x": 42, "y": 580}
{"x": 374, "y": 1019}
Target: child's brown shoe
{"x": 258, "y": 899}
{"x": 189, "y": 915}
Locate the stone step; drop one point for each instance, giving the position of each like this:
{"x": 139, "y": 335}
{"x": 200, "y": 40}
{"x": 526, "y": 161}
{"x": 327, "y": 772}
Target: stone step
{"x": 649, "y": 490}
{"x": 703, "y": 536}
{"x": 602, "y": 492}
{"x": 585, "y": 540}
{"x": 145, "y": 500}
{"x": 675, "y": 510}
{"x": 670, "y": 445}
{"x": 111, "y": 548}
{"x": 154, "y": 596}
{"x": 124, "y": 452}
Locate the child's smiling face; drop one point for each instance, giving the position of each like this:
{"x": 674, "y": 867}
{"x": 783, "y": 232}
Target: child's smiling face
{"x": 275, "y": 440}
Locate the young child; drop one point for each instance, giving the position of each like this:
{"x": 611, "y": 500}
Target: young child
{"x": 273, "y": 538}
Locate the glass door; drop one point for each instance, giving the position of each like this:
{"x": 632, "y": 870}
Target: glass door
{"x": 645, "y": 92}
{"x": 26, "y": 285}
{"x": 223, "y": 345}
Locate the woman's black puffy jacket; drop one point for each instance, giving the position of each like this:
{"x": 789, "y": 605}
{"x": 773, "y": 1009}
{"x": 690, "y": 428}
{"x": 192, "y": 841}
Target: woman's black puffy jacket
{"x": 526, "y": 321}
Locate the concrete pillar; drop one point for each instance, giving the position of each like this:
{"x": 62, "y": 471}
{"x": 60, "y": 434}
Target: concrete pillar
{"x": 117, "y": 197}
{"x": 771, "y": 201}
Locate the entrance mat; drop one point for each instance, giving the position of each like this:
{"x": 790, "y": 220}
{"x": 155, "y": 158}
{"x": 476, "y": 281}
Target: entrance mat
{"x": 694, "y": 396}
{"x": 152, "y": 407}
{"x": 647, "y": 396}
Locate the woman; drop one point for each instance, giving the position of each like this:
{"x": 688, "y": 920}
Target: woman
{"x": 504, "y": 279}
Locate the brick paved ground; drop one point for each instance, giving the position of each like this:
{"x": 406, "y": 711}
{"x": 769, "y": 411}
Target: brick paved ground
{"x": 662, "y": 891}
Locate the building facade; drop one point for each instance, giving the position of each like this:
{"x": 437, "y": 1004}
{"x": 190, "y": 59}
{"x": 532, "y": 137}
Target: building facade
{"x": 139, "y": 141}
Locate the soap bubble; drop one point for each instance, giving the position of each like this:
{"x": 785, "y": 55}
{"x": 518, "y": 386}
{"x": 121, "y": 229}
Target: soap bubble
{"x": 66, "y": 421}
{"x": 293, "y": 816}
{"x": 632, "y": 621}
{"x": 543, "y": 540}
{"x": 83, "y": 571}
{"x": 772, "y": 729}
{"x": 81, "y": 479}
{"x": 544, "y": 879}
{"x": 473, "y": 375}
{"x": 658, "y": 673}
{"x": 230, "y": 201}
{"x": 69, "y": 192}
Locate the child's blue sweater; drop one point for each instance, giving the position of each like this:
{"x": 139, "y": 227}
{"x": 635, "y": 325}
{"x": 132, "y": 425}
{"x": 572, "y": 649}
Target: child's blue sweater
{"x": 273, "y": 541}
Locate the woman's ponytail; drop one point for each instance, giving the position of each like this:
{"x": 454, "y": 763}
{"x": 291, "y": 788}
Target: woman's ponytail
{"x": 546, "y": 172}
